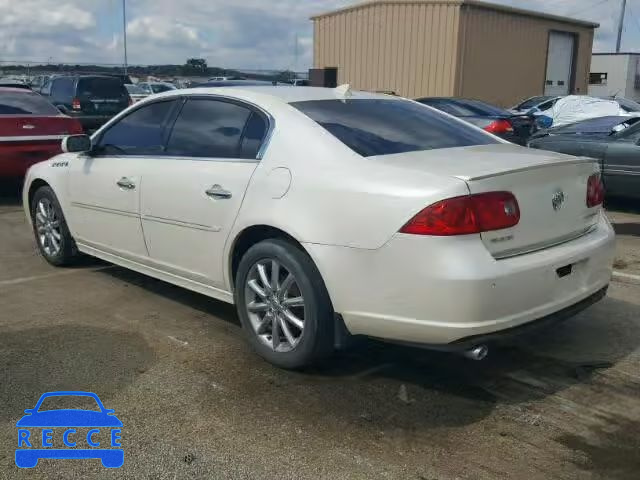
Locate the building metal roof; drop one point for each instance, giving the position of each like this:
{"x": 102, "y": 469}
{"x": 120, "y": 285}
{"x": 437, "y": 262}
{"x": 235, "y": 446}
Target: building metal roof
{"x": 472, "y": 3}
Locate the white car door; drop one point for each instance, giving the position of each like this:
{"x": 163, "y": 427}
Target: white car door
{"x": 105, "y": 185}
{"x": 191, "y": 198}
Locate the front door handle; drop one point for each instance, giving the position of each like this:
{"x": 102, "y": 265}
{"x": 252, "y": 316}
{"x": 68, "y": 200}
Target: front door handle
{"x": 218, "y": 192}
{"x": 126, "y": 184}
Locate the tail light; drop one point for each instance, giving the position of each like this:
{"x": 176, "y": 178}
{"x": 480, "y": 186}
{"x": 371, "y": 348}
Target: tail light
{"x": 75, "y": 127}
{"x": 75, "y": 104}
{"x": 499, "y": 126}
{"x": 595, "y": 191}
{"x": 466, "y": 215}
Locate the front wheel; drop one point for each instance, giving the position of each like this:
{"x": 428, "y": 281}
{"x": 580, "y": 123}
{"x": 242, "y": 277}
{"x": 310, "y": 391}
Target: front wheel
{"x": 50, "y": 228}
{"x": 283, "y": 305}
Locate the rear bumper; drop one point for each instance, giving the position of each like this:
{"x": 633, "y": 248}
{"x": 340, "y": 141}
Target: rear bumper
{"x": 439, "y": 291}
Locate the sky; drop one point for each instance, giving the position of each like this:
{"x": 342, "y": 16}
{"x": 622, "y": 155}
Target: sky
{"x": 249, "y": 34}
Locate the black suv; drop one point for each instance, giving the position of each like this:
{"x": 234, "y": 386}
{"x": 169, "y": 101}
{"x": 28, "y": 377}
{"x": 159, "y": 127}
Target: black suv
{"x": 91, "y": 99}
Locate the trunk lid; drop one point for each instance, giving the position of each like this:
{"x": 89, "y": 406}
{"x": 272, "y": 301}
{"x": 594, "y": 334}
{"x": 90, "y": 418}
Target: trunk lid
{"x": 551, "y": 190}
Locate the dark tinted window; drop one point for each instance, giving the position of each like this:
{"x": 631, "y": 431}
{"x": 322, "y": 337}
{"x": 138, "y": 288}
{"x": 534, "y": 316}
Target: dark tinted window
{"x": 25, "y": 104}
{"x": 101, "y": 87}
{"x": 208, "y": 128}
{"x": 159, "y": 88}
{"x": 62, "y": 89}
{"x": 466, "y": 108}
{"x": 532, "y": 102}
{"x": 139, "y": 133}
{"x": 254, "y": 134}
{"x": 383, "y": 127}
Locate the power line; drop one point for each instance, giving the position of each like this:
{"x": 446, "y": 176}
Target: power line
{"x": 582, "y": 10}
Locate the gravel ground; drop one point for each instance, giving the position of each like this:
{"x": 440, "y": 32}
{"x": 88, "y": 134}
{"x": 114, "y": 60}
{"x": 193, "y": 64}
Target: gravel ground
{"x": 196, "y": 403}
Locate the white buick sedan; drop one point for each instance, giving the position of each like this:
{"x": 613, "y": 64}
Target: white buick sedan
{"x": 326, "y": 213}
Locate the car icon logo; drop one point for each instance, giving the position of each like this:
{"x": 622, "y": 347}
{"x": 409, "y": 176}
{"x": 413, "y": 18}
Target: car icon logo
{"x": 558, "y": 200}
{"x": 69, "y": 433}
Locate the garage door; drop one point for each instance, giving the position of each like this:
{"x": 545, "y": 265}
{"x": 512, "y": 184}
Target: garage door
{"x": 559, "y": 63}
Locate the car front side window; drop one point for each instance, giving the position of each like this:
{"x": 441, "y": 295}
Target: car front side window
{"x": 208, "y": 128}
{"x": 139, "y": 133}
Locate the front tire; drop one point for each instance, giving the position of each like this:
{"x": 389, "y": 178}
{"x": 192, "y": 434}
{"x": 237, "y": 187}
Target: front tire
{"x": 50, "y": 229}
{"x": 283, "y": 305}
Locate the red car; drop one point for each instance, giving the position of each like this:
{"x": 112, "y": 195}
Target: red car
{"x": 31, "y": 130}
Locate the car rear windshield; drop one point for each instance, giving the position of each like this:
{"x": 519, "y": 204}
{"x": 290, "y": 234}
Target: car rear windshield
{"x": 25, "y": 104}
{"x": 374, "y": 127}
{"x": 101, "y": 88}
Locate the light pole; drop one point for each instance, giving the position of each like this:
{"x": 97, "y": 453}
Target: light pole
{"x": 124, "y": 33}
{"x": 621, "y": 26}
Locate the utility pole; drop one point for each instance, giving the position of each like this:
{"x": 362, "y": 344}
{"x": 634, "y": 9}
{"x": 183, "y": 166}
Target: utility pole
{"x": 621, "y": 25}
{"x": 124, "y": 32}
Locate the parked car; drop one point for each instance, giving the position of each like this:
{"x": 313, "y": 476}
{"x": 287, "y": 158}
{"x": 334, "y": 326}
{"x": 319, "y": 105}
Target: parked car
{"x": 156, "y": 87}
{"x": 38, "y": 82}
{"x": 8, "y": 83}
{"x": 627, "y": 105}
{"x": 90, "y": 99}
{"x": 136, "y": 92}
{"x": 500, "y": 122}
{"x": 325, "y": 212}
{"x": 614, "y": 141}
{"x": 30, "y": 130}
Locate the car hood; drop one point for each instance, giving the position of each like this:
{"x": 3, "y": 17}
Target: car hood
{"x": 69, "y": 418}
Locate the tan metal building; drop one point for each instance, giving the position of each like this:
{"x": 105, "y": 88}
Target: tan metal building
{"x": 464, "y": 48}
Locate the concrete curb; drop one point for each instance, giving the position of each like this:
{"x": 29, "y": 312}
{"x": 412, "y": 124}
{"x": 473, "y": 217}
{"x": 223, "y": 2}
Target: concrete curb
{"x": 626, "y": 278}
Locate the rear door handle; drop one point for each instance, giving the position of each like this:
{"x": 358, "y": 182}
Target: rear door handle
{"x": 218, "y": 193}
{"x": 126, "y": 184}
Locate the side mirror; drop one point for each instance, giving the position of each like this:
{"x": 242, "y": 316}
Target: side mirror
{"x": 76, "y": 144}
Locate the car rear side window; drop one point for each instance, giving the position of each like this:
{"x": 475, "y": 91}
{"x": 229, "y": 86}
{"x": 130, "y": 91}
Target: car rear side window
{"x": 25, "y": 104}
{"x": 211, "y": 129}
{"x": 99, "y": 87}
{"x": 374, "y": 127}
{"x": 139, "y": 133}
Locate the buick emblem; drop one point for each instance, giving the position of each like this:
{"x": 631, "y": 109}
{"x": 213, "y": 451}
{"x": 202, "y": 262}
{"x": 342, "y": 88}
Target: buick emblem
{"x": 558, "y": 200}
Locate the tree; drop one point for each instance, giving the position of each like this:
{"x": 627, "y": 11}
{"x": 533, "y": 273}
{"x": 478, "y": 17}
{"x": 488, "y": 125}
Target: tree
{"x": 195, "y": 66}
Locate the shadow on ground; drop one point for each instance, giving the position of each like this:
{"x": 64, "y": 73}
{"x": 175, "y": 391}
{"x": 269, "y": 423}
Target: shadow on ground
{"x": 69, "y": 357}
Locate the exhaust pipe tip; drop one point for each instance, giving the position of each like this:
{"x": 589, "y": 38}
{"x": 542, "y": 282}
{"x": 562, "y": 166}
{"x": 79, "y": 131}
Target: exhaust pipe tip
{"x": 478, "y": 353}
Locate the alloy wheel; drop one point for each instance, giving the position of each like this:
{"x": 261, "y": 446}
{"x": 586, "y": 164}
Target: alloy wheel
{"x": 48, "y": 228}
{"x": 275, "y": 305}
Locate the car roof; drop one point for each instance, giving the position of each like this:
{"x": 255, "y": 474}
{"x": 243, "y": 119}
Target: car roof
{"x": 283, "y": 93}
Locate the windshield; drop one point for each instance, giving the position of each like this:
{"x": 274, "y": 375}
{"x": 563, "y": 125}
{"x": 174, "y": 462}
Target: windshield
{"x": 135, "y": 90}
{"x": 25, "y": 104}
{"x": 69, "y": 402}
{"x": 532, "y": 102}
{"x": 101, "y": 87}
{"x": 383, "y": 127}
{"x": 161, "y": 87}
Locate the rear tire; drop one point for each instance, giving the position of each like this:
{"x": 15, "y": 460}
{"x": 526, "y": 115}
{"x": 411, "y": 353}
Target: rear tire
{"x": 50, "y": 229}
{"x": 279, "y": 289}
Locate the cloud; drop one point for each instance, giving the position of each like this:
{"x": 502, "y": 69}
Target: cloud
{"x": 251, "y": 34}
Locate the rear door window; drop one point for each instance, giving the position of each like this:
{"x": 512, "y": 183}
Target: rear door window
{"x": 142, "y": 132}
{"x": 215, "y": 129}
{"x": 25, "y": 104}
{"x": 372, "y": 127}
